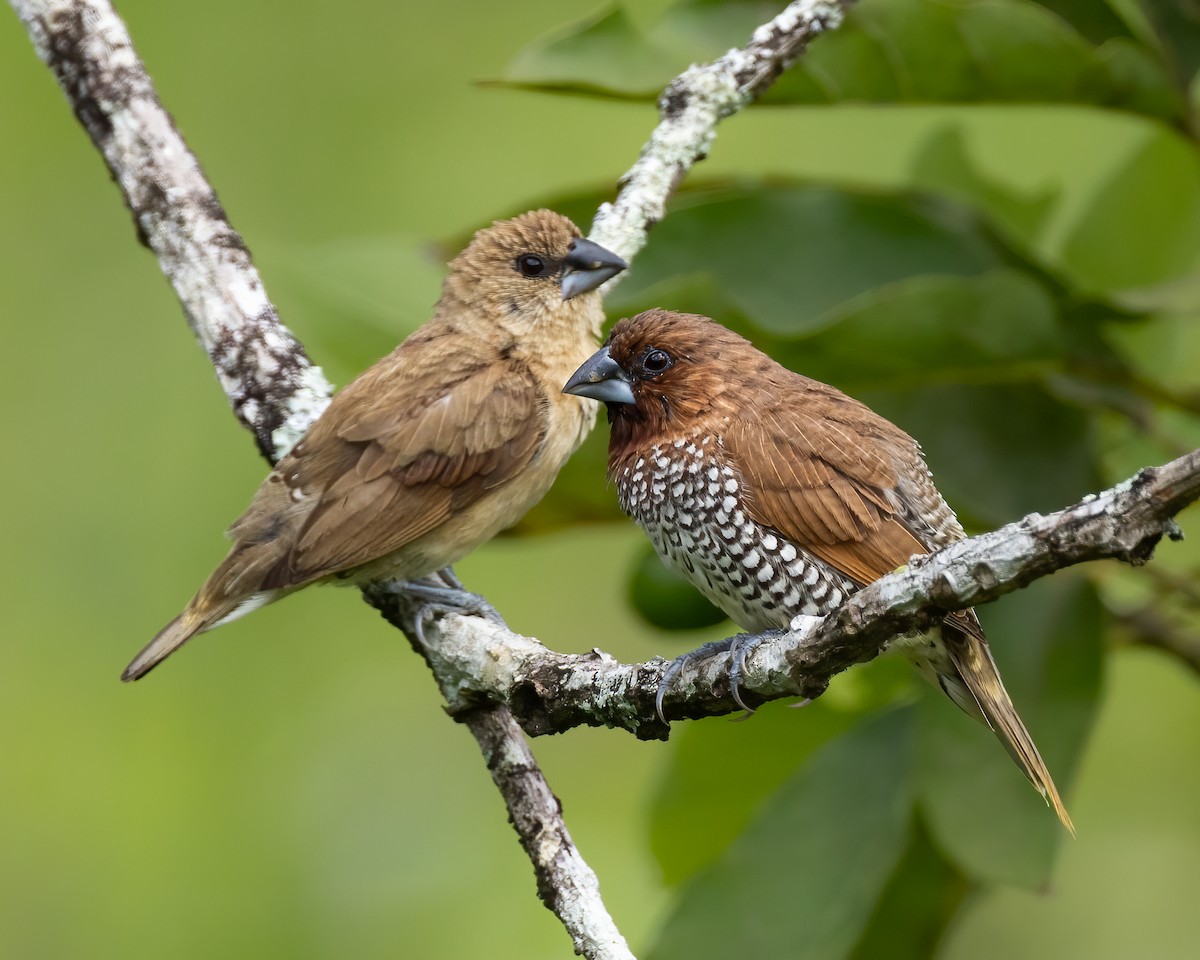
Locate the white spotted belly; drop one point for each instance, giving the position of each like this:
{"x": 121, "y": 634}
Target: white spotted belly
{"x": 685, "y": 497}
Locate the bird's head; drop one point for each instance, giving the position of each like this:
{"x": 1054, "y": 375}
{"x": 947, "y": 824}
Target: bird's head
{"x": 533, "y": 269}
{"x": 662, "y": 375}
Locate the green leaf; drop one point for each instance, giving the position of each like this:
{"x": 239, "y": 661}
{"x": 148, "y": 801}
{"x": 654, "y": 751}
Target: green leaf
{"x": 932, "y": 327}
{"x": 807, "y": 874}
{"x": 944, "y": 166}
{"x": 721, "y": 772}
{"x": 918, "y": 905}
{"x": 1135, "y": 80}
{"x": 603, "y": 54}
{"x": 1171, "y": 296}
{"x": 697, "y": 31}
{"x": 1047, "y": 640}
{"x": 887, "y": 51}
{"x": 988, "y": 51}
{"x": 791, "y": 257}
{"x": 1162, "y": 350}
{"x": 997, "y": 451}
{"x": 1143, "y": 227}
{"x": 1094, "y": 19}
{"x": 1176, "y": 26}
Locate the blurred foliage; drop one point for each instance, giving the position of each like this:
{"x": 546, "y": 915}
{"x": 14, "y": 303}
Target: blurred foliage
{"x": 666, "y": 600}
{"x": 949, "y": 307}
{"x": 980, "y": 216}
{"x": 891, "y": 51}
{"x": 848, "y": 806}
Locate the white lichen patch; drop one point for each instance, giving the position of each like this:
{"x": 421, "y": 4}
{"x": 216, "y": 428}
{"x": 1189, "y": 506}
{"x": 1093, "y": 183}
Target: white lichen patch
{"x": 307, "y": 402}
{"x": 814, "y": 16}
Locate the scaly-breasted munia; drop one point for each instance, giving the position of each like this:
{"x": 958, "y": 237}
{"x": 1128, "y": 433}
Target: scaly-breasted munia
{"x": 440, "y": 445}
{"x": 778, "y": 496}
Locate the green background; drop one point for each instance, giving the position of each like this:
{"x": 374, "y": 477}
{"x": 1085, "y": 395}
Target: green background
{"x": 289, "y": 786}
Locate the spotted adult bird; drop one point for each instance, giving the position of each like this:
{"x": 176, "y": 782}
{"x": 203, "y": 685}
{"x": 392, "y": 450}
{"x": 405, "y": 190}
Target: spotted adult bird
{"x": 440, "y": 445}
{"x": 778, "y": 496}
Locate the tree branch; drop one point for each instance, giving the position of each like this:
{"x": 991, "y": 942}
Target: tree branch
{"x": 478, "y": 661}
{"x": 274, "y": 389}
{"x": 1149, "y": 627}
{"x": 565, "y": 882}
{"x": 277, "y": 393}
{"x": 690, "y": 109}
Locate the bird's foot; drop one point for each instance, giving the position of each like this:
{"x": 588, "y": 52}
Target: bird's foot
{"x": 437, "y": 599}
{"x": 735, "y": 648}
{"x": 450, "y": 578}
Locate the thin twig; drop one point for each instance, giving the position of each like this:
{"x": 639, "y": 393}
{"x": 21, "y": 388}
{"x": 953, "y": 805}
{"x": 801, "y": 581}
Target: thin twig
{"x": 690, "y": 109}
{"x": 1182, "y": 586}
{"x": 1148, "y": 627}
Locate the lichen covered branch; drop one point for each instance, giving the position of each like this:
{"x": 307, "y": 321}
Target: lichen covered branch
{"x": 551, "y": 692}
{"x": 274, "y": 389}
{"x": 565, "y": 883}
{"x": 690, "y": 109}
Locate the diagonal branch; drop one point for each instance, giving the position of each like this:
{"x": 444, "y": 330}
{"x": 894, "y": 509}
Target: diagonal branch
{"x": 1149, "y": 627}
{"x": 277, "y": 393}
{"x": 552, "y": 692}
{"x": 690, "y": 109}
{"x": 274, "y": 389}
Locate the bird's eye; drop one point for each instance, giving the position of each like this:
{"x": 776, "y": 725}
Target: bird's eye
{"x": 656, "y": 361}
{"x": 532, "y": 265}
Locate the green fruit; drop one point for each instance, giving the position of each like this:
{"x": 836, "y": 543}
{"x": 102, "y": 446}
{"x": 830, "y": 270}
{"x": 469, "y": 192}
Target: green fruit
{"x": 664, "y": 599}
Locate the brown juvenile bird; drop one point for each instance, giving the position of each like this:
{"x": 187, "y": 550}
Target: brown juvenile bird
{"x": 440, "y": 445}
{"x": 778, "y": 496}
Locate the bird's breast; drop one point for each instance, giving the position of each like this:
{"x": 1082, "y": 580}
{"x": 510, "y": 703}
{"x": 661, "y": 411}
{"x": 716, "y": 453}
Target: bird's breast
{"x": 688, "y": 498}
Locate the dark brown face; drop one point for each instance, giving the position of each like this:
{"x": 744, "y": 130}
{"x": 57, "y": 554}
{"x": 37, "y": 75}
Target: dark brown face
{"x": 659, "y": 375}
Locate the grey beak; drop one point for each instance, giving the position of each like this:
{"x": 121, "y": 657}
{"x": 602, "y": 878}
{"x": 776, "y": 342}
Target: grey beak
{"x": 601, "y": 378}
{"x": 586, "y": 266}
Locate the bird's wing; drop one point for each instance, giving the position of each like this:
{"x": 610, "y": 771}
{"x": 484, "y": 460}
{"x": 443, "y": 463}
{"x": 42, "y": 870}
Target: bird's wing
{"x": 827, "y": 480}
{"x": 404, "y": 453}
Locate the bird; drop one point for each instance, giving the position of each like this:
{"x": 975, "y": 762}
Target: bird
{"x": 778, "y": 496}
{"x": 438, "y": 446}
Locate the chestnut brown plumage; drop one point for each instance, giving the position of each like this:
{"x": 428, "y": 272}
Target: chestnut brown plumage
{"x": 778, "y": 496}
{"x": 436, "y": 448}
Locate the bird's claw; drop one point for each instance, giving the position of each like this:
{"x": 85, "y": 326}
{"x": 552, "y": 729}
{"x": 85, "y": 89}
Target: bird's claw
{"x": 438, "y": 601}
{"x": 669, "y": 674}
{"x": 737, "y": 648}
{"x": 450, "y": 579}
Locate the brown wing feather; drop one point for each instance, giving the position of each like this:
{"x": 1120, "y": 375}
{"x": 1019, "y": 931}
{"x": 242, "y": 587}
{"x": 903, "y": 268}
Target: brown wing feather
{"x": 401, "y": 450}
{"x": 413, "y": 476}
{"x": 807, "y": 477}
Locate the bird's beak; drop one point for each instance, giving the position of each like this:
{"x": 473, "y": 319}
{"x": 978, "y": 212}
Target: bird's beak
{"x": 601, "y": 378}
{"x": 587, "y": 266}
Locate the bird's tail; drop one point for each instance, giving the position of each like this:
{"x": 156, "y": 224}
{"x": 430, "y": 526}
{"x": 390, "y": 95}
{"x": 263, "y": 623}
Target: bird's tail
{"x": 977, "y": 670}
{"x": 217, "y": 602}
{"x": 232, "y": 590}
{"x": 169, "y": 639}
